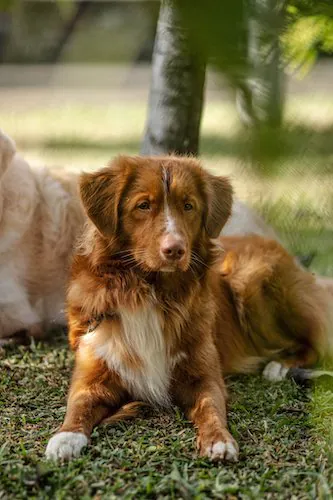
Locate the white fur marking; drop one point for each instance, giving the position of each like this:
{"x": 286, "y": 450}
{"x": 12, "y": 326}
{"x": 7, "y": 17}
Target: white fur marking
{"x": 65, "y": 445}
{"x": 275, "y": 372}
{"x": 217, "y": 450}
{"x": 231, "y": 452}
{"x": 223, "y": 451}
{"x": 170, "y": 224}
{"x": 142, "y": 337}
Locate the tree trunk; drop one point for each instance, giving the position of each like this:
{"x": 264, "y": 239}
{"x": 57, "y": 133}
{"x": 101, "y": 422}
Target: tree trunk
{"x": 5, "y": 27}
{"x": 260, "y": 98}
{"x": 177, "y": 90}
{"x": 54, "y": 54}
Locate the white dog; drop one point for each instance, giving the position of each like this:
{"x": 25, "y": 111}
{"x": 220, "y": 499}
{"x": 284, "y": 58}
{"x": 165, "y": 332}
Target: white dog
{"x": 245, "y": 221}
{"x": 40, "y": 216}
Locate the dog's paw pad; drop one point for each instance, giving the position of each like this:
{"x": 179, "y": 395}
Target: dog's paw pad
{"x": 220, "y": 450}
{"x": 275, "y": 372}
{"x": 65, "y": 445}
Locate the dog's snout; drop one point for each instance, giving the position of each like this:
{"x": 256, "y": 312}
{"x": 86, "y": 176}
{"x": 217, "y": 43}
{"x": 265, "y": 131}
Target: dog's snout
{"x": 172, "y": 248}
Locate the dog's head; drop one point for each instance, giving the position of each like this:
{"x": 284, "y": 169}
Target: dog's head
{"x": 157, "y": 211}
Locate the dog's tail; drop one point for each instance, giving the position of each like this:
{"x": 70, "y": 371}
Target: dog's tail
{"x": 7, "y": 151}
{"x": 129, "y": 411}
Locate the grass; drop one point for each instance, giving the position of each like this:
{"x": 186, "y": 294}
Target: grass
{"x": 283, "y": 447}
{"x": 284, "y": 431}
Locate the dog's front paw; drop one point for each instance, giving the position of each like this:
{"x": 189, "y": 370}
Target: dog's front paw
{"x": 275, "y": 372}
{"x": 221, "y": 449}
{"x": 66, "y": 445}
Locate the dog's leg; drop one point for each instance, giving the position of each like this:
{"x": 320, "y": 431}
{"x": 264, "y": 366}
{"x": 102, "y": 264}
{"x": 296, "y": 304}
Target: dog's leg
{"x": 204, "y": 403}
{"x": 16, "y": 313}
{"x": 88, "y": 404}
{"x": 84, "y": 411}
{"x": 275, "y": 371}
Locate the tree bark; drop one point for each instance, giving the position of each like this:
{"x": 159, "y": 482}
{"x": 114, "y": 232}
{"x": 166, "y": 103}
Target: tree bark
{"x": 260, "y": 98}
{"x": 177, "y": 90}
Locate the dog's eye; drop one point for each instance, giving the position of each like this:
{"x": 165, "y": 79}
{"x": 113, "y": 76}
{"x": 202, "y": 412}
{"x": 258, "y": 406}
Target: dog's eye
{"x": 188, "y": 206}
{"x": 144, "y": 205}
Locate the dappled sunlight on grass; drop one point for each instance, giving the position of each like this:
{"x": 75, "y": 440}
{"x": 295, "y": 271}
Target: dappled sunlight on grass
{"x": 282, "y": 453}
{"x": 284, "y": 431}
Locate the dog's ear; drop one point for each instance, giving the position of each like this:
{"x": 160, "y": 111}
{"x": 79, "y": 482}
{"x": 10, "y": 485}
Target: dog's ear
{"x": 220, "y": 195}
{"x": 101, "y": 194}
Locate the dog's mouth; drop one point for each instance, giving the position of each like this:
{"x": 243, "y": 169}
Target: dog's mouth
{"x": 155, "y": 262}
{"x": 168, "y": 268}
{"x": 164, "y": 267}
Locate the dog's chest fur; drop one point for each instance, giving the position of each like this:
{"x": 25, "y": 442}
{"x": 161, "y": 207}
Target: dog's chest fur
{"x": 141, "y": 339}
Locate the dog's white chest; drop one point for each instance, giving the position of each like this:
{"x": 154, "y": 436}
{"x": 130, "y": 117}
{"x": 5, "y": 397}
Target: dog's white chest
{"x": 141, "y": 341}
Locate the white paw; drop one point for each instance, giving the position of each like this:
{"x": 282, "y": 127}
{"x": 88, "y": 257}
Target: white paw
{"x": 223, "y": 451}
{"x": 65, "y": 445}
{"x": 275, "y": 372}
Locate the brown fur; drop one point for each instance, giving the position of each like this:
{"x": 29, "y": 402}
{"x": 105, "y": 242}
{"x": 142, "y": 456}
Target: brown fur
{"x": 282, "y": 312}
{"x": 218, "y": 312}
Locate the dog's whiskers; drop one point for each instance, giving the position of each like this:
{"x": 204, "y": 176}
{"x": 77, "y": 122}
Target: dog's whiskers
{"x": 197, "y": 259}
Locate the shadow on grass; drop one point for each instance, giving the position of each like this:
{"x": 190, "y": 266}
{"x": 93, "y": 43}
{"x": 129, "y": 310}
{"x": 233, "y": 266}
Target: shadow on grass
{"x": 292, "y": 149}
{"x": 269, "y": 149}
{"x": 81, "y": 144}
{"x": 304, "y": 229}
{"x": 56, "y": 338}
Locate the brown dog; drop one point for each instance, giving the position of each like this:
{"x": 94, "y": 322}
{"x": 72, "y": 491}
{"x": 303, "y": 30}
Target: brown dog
{"x": 156, "y": 314}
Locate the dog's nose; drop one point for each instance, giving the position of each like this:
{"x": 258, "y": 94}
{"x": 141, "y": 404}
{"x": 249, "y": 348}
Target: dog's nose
{"x": 172, "y": 249}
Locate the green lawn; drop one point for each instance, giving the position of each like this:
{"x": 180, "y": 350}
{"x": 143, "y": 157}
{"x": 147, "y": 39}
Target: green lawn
{"x": 284, "y": 432}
